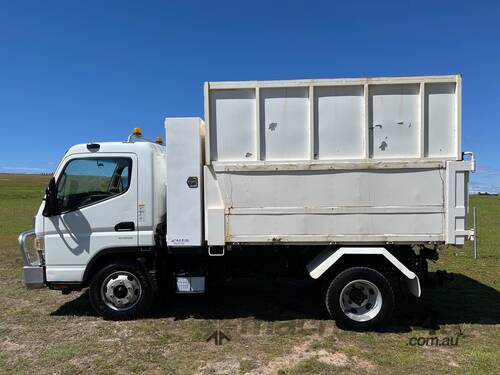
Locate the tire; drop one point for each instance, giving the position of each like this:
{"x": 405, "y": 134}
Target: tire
{"x": 121, "y": 291}
{"x": 360, "y": 299}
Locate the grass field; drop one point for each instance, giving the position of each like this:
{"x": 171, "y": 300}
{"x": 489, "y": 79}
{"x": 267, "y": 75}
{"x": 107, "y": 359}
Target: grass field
{"x": 274, "y": 326}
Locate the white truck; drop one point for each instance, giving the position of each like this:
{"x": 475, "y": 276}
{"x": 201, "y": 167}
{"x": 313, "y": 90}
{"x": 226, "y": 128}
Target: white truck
{"x": 353, "y": 182}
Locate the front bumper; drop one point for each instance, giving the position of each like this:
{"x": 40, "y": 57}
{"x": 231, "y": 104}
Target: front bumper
{"x": 33, "y": 270}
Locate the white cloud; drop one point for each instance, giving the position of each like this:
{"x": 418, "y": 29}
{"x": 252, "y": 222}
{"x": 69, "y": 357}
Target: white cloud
{"x": 485, "y": 170}
{"x": 484, "y": 187}
{"x": 23, "y": 169}
{"x": 485, "y": 179}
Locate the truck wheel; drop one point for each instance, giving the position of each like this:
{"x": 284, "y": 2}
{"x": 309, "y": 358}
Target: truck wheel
{"x": 121, "y": 291}
{"x": 360, "y": 299}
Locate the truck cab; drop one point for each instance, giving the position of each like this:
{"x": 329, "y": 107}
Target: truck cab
{"x": 104, "y": 198}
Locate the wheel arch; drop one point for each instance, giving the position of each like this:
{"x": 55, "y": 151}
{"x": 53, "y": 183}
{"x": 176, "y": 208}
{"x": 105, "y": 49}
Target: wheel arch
{"x": 329, "y": 258}
{"x": 105, "y": 256}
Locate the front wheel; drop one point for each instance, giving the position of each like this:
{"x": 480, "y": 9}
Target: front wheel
{"x": 360, "y": 298}
{"x": 121, "y": 291}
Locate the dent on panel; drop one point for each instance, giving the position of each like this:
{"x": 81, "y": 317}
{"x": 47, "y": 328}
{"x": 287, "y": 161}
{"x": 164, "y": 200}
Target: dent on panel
{"x": 394, "y": 120}
{"x": 233, "y": 125}
{"x": 284, "y": 123}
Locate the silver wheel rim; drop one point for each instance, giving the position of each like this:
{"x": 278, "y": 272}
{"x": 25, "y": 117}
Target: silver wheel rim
{"x": 361, "y": 300}
{"x": 121, "y": 290}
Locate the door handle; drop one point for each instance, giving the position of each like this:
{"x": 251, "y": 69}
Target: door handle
{"x": 125, "y": 226}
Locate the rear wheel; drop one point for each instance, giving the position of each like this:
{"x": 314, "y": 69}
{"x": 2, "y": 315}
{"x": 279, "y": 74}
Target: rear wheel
{"x": 121, "y": 291}
{"x": 360, "y": 298}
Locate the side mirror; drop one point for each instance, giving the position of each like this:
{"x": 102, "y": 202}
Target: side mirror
{"x": 51, "y": 206}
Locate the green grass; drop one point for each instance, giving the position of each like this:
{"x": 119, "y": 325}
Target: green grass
{"x": 275, "y": 327}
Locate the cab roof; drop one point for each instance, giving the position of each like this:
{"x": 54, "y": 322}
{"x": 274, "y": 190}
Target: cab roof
{"x": 108, "y": 147}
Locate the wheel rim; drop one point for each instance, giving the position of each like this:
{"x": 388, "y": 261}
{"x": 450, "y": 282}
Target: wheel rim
{"x": 361, "y": 300}
{"x": 121, "y": 290}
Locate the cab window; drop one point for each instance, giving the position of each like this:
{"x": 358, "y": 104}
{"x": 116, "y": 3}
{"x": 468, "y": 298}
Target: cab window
{"x": 90, "y": 180}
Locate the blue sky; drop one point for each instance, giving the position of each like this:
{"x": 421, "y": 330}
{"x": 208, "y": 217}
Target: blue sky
{"x": 79, "y": 71}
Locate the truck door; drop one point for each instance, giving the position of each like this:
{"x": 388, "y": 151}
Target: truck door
{"x": 97, "y": 198}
